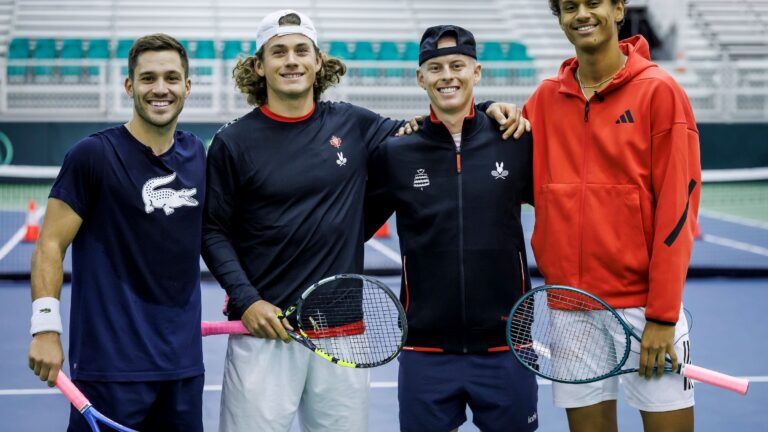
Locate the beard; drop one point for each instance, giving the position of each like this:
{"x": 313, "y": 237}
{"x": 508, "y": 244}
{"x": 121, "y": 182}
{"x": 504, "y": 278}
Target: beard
{"x": 140, "y": 108}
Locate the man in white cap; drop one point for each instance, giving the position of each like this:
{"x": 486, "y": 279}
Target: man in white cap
{"x": 286, "y": 185}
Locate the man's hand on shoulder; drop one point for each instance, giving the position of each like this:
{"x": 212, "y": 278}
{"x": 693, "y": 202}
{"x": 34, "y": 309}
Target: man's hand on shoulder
{"x": 509, "y": 118}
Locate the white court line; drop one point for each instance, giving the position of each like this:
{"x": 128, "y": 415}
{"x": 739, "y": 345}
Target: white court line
{"x": 384, "y": 250}
{"x": 374, "y": 385}
{"x": 19, "y": 235}
{"x": 733, "y": 244}
{"x": 734, "y": 219}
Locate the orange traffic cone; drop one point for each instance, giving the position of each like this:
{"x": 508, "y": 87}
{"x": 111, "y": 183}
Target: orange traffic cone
{"x": 32, "y": 229}
{"x": 383, "y": 231}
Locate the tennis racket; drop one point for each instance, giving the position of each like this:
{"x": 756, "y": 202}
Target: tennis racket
{"x": 567, "y": 335}
{"x": 80, "y": 402}
{"x": 351, "y": 320}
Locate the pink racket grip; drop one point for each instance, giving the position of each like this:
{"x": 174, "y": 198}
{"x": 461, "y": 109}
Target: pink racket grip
{"x": 223, "y": 327}
{"x": 727, "y": 382}
{"x": 71, "y": 392}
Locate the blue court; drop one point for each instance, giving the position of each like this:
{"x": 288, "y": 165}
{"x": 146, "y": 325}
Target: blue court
{"x": 729, "y": 326}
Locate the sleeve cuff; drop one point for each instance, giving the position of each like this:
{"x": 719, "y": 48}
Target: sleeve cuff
{"x": 665, "y": 323}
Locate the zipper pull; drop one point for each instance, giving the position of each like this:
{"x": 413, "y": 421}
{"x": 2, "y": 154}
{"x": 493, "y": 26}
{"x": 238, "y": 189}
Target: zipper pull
{"x": 586, "y": 112}
{"x": 458, "y": 159}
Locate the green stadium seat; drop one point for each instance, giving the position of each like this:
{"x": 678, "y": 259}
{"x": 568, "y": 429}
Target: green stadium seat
{"x": 123, "y": 50}
{"x": 389, "y": 51}
{"x": 518, "y": 52}
{"x": 411, "y": 51}
{"x": 98, "y": 49}
{"x": 71, "y": 49}
{"x": 18, "y": 49}
{"x": 45, "y": 49}
{"x": 364, "y": 51}
{"x": 205, "y": 51}
{"x": 492, "y": 52}
{"x": 233, "y": 49}
{"x": 185, "y": 44}
{"x": 339, "y": 50}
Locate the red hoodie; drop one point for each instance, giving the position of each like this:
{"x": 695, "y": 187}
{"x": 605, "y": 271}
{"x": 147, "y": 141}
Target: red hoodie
{"x": 616, "y": 184}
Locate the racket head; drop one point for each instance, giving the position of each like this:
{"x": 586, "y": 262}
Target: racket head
{"x": 351, "y": 320}
{"x": 568, "y": 335}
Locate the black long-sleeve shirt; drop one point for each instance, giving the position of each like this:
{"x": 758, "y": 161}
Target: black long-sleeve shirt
{"x": 284, "y": 200}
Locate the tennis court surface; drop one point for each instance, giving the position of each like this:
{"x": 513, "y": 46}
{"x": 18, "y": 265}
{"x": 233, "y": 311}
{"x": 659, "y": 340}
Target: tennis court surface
{"x": 729, "y": 323}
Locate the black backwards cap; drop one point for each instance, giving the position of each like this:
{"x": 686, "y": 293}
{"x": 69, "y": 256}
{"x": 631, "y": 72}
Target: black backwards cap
{"x": 465, "y": 42}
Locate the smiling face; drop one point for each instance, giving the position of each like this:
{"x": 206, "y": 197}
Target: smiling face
{"x": 158, "y": 87}
{"x": 449, "y": 80}
{"x": 289, "y": 64}
{"x": 591, "y": 24}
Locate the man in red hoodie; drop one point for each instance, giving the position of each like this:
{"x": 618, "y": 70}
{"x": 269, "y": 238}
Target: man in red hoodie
{"x": 616, "y": 189}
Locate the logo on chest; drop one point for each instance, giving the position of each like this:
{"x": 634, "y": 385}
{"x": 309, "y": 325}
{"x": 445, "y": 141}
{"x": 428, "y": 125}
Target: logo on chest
{"x": 500, "y": 172}
{"x": 421, "y": 179}
{"x": 167, "y": 199}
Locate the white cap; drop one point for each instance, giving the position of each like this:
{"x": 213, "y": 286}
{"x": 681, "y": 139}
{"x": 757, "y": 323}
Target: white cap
{"x": 270, "y": 27}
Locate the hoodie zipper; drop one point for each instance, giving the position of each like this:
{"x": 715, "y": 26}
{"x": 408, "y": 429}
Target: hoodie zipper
{"x": 587, "y": 145}
{"x": 462, "y": 288}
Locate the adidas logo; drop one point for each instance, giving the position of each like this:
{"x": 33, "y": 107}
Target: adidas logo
{"x": 625, "y": 118}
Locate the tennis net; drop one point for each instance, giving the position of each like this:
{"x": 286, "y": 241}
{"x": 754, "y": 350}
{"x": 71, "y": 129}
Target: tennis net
{"x": 733, "y": 221}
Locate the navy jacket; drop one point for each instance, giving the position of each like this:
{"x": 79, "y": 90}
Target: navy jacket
{"x": 458, "y": 219}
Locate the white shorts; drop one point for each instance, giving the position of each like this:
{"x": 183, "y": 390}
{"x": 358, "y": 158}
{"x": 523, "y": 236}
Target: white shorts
{"x": 668, "y": 393}
{"x": 266, "y": 382}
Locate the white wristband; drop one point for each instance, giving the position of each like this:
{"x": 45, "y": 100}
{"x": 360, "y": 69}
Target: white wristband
{"x": 45, "y": 316}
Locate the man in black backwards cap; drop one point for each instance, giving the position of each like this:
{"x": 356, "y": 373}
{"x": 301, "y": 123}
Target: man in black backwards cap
{"x": 457, "y": 188}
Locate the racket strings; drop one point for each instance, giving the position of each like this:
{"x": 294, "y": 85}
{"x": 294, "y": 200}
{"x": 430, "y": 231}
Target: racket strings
{"x": 354, "y": 320}
{"x": 566, "y": 336}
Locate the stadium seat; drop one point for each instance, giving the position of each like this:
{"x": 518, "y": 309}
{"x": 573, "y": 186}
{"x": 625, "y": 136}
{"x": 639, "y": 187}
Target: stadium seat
{"x": 98, "y": 49}
{"x": 45, "y": 49}
{"x": 185, "y": 44}
{"x": 492, "y": 52}
{"x": 232, "y": 49}
{"x": 518, "y": 52}
{"x": 71, "y": 49}
{"x": 18, "y": 49}
{"x": 364, "y": 51}
{"x": 411, "y": 51}
{"x": 205, "y": 51}
{"x": 123, "y": 49}
{"x": 339, "y": 50}
{"x": 389, "y": 51}
{"x": 252, "y": 47}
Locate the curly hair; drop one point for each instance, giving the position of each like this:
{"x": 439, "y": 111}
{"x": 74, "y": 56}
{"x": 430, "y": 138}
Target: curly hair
{"x": 255, "y": 87}
{"x": 554, "y": 6}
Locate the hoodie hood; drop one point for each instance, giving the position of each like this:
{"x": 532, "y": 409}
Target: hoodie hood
{"x": 638, "y": 59}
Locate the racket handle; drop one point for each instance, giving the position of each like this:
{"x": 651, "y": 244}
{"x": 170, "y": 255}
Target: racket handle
{"x": 75, "y": 396}
{"x": 727, "y": 382}
{"x": 223, "y": 327}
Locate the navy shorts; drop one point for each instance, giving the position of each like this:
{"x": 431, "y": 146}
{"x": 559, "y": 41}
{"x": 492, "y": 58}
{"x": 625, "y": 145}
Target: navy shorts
{"x": 435, "y": 389}
{"x": 175, "y": 405}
